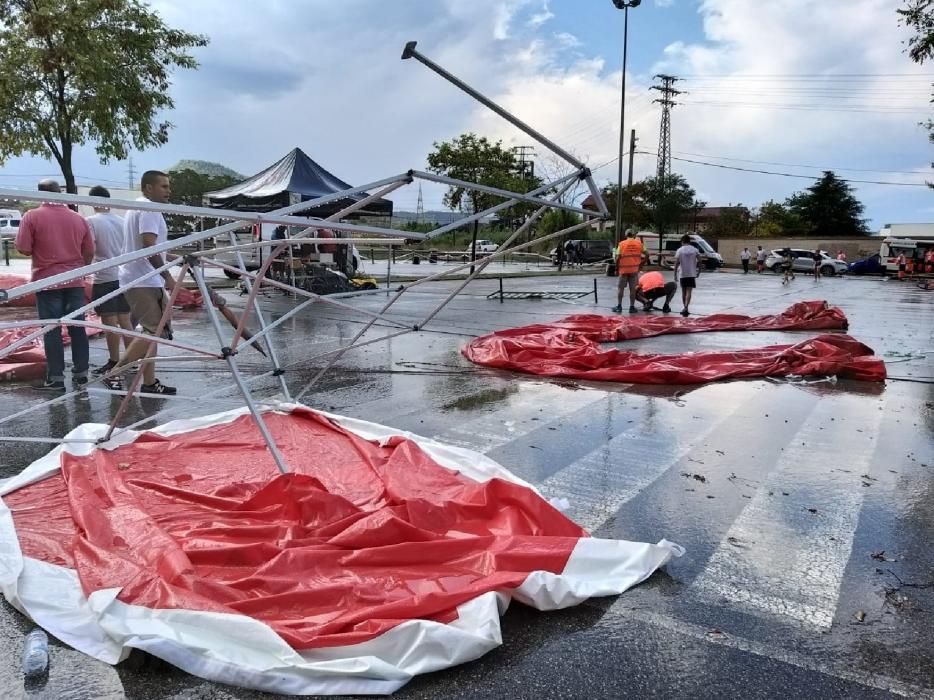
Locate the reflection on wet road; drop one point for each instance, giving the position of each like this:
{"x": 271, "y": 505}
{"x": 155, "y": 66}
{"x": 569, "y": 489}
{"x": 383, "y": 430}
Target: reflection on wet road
{"x": 807, "y": 510}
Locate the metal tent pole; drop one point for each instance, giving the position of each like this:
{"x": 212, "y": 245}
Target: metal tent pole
{"x": 235, "y": 371}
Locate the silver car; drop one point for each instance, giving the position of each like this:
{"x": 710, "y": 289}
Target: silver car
{"x": 803, "y": 261}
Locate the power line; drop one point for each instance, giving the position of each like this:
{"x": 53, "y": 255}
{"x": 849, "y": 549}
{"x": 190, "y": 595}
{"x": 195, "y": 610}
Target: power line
{"x": 806, "y": 108}
{"x": 800, "y": 165}
{"x": 822, "y": 76}
{"x": 796, "y": 175}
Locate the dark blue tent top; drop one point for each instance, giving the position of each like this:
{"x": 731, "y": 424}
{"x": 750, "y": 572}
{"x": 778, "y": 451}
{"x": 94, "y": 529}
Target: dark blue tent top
{"x": 294, "y": 178}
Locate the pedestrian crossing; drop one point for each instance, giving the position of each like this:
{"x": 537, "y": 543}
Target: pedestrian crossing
{"x": 786, "y": 553}
{"x": 781, "y": 555}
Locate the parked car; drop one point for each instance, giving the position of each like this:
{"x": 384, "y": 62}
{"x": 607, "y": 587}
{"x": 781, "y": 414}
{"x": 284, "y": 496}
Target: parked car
{"x": 590, "y": 251}
{"x": 9, "y": 227}
{"x": 873, "y": 265}
{"x": 803, "y": 261}
{"x": 483, "y": 246}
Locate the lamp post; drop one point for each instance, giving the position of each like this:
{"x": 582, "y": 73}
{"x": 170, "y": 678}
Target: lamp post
{"x": 623, "y": 5}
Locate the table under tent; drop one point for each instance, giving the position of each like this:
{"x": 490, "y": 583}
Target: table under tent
{"x": 295, "y": 178}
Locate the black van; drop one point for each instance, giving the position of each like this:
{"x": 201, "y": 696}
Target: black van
{"x": 590, "y": 251}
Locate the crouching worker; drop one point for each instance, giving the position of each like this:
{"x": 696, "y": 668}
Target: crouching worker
{"x": 652, "y": 286}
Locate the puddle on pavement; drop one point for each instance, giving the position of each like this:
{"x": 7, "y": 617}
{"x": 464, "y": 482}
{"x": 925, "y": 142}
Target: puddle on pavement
{"x": 481, "y": 399}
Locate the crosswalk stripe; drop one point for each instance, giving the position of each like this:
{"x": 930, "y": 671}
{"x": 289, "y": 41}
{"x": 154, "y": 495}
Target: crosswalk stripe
{"x": 520, "y": 415}
{"x": 785, "y": 555}
{"x": 598, "y": 484}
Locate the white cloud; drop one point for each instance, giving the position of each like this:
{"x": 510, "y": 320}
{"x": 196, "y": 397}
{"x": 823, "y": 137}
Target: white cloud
{"x": 539, "y": 18}
{"x": 664, "y": 3}
{"x": 327, "y": 77}
{"x": 768, "y": 101}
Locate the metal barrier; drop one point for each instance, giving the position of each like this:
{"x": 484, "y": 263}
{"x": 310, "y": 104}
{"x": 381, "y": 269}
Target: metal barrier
{"x": 561, "y": 294}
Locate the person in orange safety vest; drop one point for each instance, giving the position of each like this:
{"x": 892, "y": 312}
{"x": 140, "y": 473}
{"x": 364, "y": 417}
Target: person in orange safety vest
{"x": 629, "y": 256}
{"x": 652, "y": 286}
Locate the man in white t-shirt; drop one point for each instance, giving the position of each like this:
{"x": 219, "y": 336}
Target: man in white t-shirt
{"x": 147, "y": 299}
{"x": 686, "y": 271}
{"x": 109, "y": 242}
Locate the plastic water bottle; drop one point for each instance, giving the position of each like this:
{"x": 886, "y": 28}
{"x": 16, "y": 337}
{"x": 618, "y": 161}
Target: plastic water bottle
{"x": 35, "y": 654}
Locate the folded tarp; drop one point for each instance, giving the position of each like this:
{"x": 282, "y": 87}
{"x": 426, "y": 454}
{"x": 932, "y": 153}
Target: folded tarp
{"x": 571, "y": 348}
{"x": 380, "y": 556}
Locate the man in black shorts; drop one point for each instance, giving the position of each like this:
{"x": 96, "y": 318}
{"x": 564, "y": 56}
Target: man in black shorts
{"x": 109, "y": 242}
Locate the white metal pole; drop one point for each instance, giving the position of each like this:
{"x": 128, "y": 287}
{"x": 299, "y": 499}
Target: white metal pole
{"x": 235, "y": 371}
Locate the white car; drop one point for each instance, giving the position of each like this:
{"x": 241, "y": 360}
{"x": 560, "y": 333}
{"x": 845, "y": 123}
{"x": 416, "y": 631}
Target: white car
{"x": 483, "y": 246}
{"x": 803, "y": 261}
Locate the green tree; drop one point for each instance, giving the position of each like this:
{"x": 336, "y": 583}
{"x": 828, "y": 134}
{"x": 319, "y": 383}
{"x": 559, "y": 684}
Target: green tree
{"x": 476, "y": 159}
{"x": 918, "y": 15}
{"x": 774, "y": 219}
{"x": 79, "y": 71}
{"x": 732, "y": 222}
{"x": 828, "y": 208}
{"x": 637, "y": 204}
{"x": 670, "y": 200}
{"x": 555, "y": 220}
{"x": 188, "y": 187}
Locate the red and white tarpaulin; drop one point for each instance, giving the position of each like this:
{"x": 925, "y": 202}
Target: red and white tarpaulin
{"x": 571, "y": 348}
{"x": 381, "y": 555}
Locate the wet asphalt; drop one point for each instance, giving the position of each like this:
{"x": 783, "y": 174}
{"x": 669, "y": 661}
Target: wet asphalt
{"x": 806, "y": 508}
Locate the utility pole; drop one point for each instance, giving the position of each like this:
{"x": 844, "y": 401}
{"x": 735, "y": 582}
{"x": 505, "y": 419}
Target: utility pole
{"x": 668, "y": 92}
{"x": 663, "y": 167}
{"x": 420, "y": 207}
{"x": 526, "y": 164}
{"x": 131, "y": 171}
{"x": 632, "y": 153}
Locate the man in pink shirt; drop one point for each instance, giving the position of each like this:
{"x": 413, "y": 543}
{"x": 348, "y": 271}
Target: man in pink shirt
{"x": 58, "y": 240}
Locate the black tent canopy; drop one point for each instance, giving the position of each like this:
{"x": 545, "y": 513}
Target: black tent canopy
{"x": 292, "y": 179}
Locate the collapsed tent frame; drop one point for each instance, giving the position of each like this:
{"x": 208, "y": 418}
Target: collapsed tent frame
{"x": 547, "y": 196}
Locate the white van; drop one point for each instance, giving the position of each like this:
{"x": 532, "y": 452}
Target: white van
{"x": 9, "y": 225}
{"x": 710, "y": 258}
{"x": 891, "y": 248}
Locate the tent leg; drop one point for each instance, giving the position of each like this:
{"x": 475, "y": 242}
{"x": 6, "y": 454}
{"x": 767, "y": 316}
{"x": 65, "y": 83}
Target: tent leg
{"x": 252, "y": 302}
{"x": 235, "y": 371}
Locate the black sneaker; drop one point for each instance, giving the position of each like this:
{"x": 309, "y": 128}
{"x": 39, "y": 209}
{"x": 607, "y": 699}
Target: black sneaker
{"x": 158, "y": 388}
{"x": 666, "y": 309}
{"x": 685, "y": 313}
{"x": 114, "y": 383}
{"x": 50, "y": 385}
{"x": 80, "y": 380}
{"x": 104, "y": 369}
{"x": 633, "y": 309}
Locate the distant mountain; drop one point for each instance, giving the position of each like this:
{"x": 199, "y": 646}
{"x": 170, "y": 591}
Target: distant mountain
{"x": 206, "y": 167}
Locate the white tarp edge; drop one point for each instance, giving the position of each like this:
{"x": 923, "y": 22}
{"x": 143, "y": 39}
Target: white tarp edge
{"x": 239, "y": 650}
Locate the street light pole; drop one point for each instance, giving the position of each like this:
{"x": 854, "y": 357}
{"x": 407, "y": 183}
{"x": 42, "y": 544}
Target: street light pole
{"x": 623, "y": 5}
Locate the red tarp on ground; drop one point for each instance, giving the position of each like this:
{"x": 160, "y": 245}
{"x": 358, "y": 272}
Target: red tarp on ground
{"x": 359, "y": 539}
{"x": 571, "y": 348}
{"x": 28, "y": 362}
{"x": 186, "y": 298}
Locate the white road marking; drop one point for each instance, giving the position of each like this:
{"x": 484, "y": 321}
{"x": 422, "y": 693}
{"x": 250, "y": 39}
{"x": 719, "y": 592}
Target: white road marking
{"x": 617, "y": 613}
{"x": 785, "y": 555}
{"x": 528, "y": 410}
{"x": 599, "y": 483}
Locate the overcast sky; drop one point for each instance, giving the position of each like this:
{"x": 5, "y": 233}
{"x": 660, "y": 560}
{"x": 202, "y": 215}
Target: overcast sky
{"x": 791, "y": 86}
